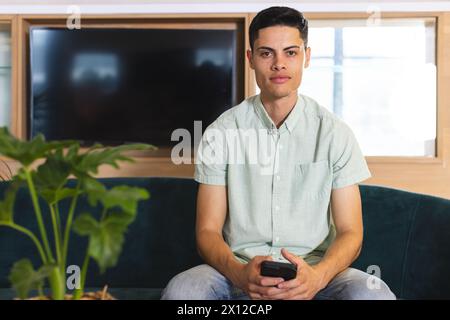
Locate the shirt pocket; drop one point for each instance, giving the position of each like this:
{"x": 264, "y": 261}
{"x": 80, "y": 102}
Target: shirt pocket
{"x": 314, "y": 179}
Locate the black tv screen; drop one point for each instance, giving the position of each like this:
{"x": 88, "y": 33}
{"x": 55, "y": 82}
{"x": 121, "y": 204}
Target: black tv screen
{"x": 129, "y": 85}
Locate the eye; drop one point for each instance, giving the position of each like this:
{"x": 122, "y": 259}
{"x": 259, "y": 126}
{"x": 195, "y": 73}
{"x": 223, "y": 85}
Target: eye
{"x": 266, "y": 54}
{"x": 291, "y": 53}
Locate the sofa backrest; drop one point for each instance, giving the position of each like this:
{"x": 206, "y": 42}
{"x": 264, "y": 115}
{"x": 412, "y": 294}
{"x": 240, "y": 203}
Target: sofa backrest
{"x": 405, "y": 235}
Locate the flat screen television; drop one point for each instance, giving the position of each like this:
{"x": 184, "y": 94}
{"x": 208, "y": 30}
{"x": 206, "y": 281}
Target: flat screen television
{"x": 117, "y": 86}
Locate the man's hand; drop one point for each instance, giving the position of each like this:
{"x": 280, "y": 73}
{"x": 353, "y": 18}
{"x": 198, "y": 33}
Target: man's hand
{"x": 257, "y": 286}
{"x": 305, "y": 286}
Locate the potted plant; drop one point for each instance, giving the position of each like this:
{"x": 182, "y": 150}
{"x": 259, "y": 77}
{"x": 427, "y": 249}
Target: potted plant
{"x": 45, "y": 171}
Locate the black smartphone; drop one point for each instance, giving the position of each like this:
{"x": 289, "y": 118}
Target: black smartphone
{"x": 284, "y": 270}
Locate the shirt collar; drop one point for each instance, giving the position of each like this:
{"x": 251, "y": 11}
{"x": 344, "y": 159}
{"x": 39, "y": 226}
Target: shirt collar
{"x": 290, "y": 121}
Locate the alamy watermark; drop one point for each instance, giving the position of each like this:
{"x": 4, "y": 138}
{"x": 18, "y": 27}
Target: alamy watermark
{"x": 220, "y": 147}
{"x": 374, "y": 281}
{"x": 74, "y": 19}
{"x": 74, "y": 276}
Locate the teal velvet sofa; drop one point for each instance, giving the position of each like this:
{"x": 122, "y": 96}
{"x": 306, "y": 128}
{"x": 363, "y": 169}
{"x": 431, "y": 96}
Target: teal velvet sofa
{"x": 406, "y": 235}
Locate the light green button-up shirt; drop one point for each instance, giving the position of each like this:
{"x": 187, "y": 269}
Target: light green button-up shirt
{"x": 279, "y": 181}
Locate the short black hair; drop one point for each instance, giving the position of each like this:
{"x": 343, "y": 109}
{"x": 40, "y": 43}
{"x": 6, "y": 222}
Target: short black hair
{"x": 278, "y": 16}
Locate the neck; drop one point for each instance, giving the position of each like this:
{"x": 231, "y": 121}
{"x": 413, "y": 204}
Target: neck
{"x": 278, "y": 109}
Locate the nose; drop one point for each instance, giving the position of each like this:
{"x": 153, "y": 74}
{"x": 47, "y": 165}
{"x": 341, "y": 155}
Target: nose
{"x": 278, "y": 64}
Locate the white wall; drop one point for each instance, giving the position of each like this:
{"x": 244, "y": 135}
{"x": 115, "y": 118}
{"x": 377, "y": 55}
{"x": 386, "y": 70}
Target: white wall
{"x": 217, "y": 6}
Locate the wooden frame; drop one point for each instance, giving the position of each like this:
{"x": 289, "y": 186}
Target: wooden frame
{"x": 157, "y": 163}
{"x": 418, "y": 174}
{"x": 223, "y": 21}
{"x": 8, "y": 20}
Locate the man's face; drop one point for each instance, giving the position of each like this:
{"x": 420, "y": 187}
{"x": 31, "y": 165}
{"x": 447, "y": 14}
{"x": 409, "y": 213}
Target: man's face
{"x": 278, "y": 58}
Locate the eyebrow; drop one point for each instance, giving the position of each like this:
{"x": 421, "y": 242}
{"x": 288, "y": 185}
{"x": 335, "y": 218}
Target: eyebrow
{"x": 271, "y": 49}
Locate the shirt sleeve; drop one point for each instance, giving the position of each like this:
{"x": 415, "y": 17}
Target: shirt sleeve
{"x": 349, "y": 164}
{"x": 211, "y": 160}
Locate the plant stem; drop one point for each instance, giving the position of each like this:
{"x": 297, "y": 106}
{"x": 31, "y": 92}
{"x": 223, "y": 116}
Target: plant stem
{"x": 103, "y": 214}
{"x": 37, "y": 210}
{"x": 55, "y": 279}
{"x": 56, "y": 232}
{"x": 57, "y": 284}
{"x": 32, "y": 237}
{"x": 58, "y": 221}
{"x": 79, "y": 292}
{"x": 69, "y": 224}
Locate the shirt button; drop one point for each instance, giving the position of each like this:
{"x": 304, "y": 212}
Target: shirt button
{"x": 278, "y": 178}
{"x": 281, "y": 146}
{"x": 277, "y": 208}
{"x": 277, "y": 239}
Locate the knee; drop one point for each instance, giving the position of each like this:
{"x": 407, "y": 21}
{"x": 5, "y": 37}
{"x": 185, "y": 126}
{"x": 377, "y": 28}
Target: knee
{"x": 194, "y": 284}
{"x": 369, "y": 289}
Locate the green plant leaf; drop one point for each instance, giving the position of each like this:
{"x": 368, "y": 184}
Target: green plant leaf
{"x": 53, "y": 173}
{"x": 93, "y": 188}
{"x": 124, "y": 197}
{"x": 72, "y": 151}
{"x": 51, "y": 176}
{"x": 24, "y": 278}
{"x": 26, "y": 152}
{"x": 89, "y": 162}
{"x": 52, "y": 196}
{"x": 105, "y": 238}
{"x": 105, "y": 245}
{"x": 85, "y": 225}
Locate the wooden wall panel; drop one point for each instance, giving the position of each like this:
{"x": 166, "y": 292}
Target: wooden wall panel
{"x": 417, "y": 174}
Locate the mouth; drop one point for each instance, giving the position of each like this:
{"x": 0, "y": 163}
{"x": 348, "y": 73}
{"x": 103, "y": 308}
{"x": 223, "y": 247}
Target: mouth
{"x": 279, "y": 79}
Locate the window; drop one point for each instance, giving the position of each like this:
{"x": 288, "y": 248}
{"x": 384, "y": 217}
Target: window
{"x": 5, "y": 75}
{"x": 380, "y": 79}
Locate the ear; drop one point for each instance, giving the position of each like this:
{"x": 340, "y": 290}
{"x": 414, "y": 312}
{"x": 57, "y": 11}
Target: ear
{"x": 250, "y": 58}
{"x": 307, "y": 57}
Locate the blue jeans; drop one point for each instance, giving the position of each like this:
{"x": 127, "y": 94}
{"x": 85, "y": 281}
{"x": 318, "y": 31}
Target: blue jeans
{"x": 206, "y": 283}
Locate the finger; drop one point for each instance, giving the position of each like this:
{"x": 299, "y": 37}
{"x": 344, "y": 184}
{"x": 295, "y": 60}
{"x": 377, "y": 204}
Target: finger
{"x": 290, "y": 284}
{"x": 260, "y": 259}
{"x": 269, "y": 292}
{"x": 279, "y": 296}
{"x": 256, "y": 288}
{"x": 265, "y": 291}
{"x": 257, "y": 279}
{"x": 269, "y": 281}
{"x": 293, "y": 294}
{"x": 301, "y": 296}
{"x": 254, "y": 296}
{"x": 285, "y": 294}
{"x": 298, "y": 261}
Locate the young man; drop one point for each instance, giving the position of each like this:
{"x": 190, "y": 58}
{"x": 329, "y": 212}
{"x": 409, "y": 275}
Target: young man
{"x": 299, "y": 202}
